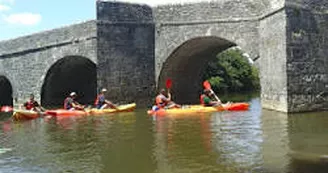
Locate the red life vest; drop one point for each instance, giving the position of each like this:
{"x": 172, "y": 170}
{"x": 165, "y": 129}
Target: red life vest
{"x": 29, "y": 105}
{"x": 202, "y": 99}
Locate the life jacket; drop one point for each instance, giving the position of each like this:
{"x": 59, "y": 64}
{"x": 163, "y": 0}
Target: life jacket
{"x": 29, "y": 105}
{"x": 159, "y": 101}
{"x": 67, "y": 105}
{"x": 202, "y": 99}
{"x": 98, "y": 102}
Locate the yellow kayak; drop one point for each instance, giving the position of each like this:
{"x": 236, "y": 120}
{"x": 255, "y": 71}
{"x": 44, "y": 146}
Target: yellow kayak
{"x": 200, "y": 109}
{"x": 121, "y": 108}
{"x": 20, "y": 115}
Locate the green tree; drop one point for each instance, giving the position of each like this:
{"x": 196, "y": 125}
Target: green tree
{"x": 231, "y": 72}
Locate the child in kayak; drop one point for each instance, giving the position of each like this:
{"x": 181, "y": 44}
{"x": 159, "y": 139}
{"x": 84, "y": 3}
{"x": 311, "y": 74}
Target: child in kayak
{"x": 33, "y": 105}
{"x": 102, "y": 103}
{"x": 164, "y": 102}
{"x": 71, "y": 104}
{"x": 205, "y": 99}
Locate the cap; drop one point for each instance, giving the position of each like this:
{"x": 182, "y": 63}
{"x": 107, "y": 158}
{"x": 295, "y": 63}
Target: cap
{"x": 103, "y": 90}
{"x": 73, "y": 94}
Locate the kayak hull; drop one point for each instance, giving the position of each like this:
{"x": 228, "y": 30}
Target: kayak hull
{"x": 196, "y": 109}
{"x": 63, "y": 112}
{"x": 21, "y": 115}
{"x": 122, "y": 108}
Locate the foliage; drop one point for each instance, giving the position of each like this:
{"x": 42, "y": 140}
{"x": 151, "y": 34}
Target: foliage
{"x": 231, "y": 72}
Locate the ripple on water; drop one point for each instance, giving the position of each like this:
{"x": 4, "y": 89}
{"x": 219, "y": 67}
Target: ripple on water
{"x": 228, "y": 142}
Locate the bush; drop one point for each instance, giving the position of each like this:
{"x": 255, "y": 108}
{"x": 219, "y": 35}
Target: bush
{"x": 231, "y": 72}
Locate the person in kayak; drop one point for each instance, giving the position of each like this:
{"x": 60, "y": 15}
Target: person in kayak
{"x": 165, "y": 102}
{"x": 205, "y": 99}
{"x": 102, "y": 103}
{"x": 33, "y": 105}
{"x": 71, "y": 104}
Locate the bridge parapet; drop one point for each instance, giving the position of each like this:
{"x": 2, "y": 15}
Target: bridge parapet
{"x": 229, "y": 10}
{"x": 48, "y": 39}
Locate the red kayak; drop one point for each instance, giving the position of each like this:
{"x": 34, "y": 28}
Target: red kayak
{"x": 64, "y": 112}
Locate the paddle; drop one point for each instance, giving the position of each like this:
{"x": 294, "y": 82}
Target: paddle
{"x": 168, "y": 84}
{"x": 207, "y": 85}
{"x": 168, "y": 87}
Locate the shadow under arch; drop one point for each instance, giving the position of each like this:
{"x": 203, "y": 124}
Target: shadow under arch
{"x": 6, "y": 92}
{"x": 186, "y": 65}
{"x": 70, "y": 74}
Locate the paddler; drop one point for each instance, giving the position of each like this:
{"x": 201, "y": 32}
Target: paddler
{"x": 71, "y": 104}
{"x": 33, "y": 105}
{"x": 102, "y": 103}
{"x": 165, "y": 102}
{"x": 205, "y": 99}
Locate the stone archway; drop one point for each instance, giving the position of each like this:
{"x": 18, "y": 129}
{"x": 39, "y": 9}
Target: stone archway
{"x": 186, "y": 64}
{"x": 72, "y": 73}
{"x": 6, "y": 92}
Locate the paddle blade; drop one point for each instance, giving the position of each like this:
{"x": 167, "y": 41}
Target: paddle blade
{"x": 207, "y": 85}
{"x": 6, "y": 109}
{"x": 168, "y": 83}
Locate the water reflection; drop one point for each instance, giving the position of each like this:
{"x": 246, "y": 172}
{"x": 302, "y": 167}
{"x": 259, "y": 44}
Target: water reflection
{"x": 228, "y": 142}
{"x": 275, "y": 144}
{"x": 308, "y": 142}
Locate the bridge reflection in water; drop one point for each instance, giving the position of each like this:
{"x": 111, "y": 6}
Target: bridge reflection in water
{"x": 252, "y": 141}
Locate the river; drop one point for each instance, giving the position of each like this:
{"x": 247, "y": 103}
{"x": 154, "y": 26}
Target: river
{"x": 229, "y": 142}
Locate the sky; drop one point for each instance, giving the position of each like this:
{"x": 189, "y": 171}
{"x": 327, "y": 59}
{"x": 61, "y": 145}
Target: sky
{"x": 24, "y": 17}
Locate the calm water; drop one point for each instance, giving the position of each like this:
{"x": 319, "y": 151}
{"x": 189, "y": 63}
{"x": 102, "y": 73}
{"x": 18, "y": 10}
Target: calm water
{"x": 228, "y": 142}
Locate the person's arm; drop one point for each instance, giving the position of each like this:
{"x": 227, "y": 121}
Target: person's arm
{"x": 111, "y": 104}
{"x": 36, "y": 104}
{"x": 169, "y": 97}
{"x": 76, "y": 105}
{"x": 166, "y": 100}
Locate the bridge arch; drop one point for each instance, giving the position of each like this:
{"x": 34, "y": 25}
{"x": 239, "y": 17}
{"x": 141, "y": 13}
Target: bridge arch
{"x": 71, "y": 73}
{"x": 186, "y": 65}
{"x": 6, "y": 91}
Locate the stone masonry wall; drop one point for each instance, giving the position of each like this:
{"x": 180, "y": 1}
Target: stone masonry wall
{"x": 26, "y": 60}
{"x": 126, "y": 51}
{"x": 235, "y": 21}
{"x": 228, "y": 10}
{"x": 307, "y": 72}
{"x": 170, "y": 37}
{"x": 273, "y": 62}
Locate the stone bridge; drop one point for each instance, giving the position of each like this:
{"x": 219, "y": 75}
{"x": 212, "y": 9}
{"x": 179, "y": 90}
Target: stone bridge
{"x": 132, "y": 49}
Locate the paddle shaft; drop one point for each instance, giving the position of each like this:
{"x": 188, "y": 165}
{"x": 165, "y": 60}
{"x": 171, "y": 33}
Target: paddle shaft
{"x": 168, "y": 93}
{"x": 216, "y": 97}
